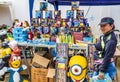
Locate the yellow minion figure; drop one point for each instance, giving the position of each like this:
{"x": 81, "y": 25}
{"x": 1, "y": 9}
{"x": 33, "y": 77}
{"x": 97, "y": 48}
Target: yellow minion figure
{"x": 78, "y": 68}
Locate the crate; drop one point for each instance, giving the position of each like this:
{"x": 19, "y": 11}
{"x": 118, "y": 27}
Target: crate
{"x": 39, "y": 75}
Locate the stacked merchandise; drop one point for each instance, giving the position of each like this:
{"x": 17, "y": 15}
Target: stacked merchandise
{"x": 56, "y": 29}
{"x": 46, "y": 29}
{"x": 19, "y": 34}
{"x": 61, "y": 62}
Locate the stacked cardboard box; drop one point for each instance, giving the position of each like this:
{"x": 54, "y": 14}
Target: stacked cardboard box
{"x": 40, "y": 71}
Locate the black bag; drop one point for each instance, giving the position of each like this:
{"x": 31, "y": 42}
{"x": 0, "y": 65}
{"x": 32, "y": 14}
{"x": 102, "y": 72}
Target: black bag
{"x": 97, "y": 66}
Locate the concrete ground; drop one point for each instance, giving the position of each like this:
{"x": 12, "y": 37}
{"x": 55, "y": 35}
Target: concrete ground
{"x": 118, "y": 70}
{"x": 118, "y": 73}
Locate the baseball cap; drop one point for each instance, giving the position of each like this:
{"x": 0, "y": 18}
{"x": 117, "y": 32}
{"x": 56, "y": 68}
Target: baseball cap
{"x": 106, "y": 20}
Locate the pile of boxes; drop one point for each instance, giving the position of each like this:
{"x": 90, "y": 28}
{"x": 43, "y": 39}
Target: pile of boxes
{"x": 40, "y": 70}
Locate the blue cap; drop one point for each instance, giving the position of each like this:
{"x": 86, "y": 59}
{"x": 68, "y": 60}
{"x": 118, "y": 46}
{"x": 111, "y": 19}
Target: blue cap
{"x": 106, "y": 20}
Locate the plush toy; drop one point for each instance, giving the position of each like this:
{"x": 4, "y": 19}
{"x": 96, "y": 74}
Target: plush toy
{"x": 26, "y": 25}
{"x": 5, "y": 50}
{"x": 78, "y": 68}
{"x": 15, "y": 67}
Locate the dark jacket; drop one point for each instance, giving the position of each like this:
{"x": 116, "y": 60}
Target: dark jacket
{"x": 109, "y": 49}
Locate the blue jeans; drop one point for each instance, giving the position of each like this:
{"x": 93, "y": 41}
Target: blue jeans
{"x": 111, "y": 70}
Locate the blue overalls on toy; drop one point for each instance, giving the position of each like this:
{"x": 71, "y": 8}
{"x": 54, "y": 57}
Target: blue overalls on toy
{"x": 107, "y": 46}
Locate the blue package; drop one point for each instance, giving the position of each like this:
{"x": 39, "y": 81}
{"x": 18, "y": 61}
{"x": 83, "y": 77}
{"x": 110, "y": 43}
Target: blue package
{"x": 39, "y": 14}
{"x": 43, "y": 6}
{"x": 46, "y": 30}
{"x": 70, "y": 14}
{"x": 54, "y": 53}
{"x": 54, "y": 31}
{"x": 107, "y": 78}
{"x": 40, "y": 29}
{"x": 48, "y": 14}
{"x": 76, "y": 23}
{"x": 88, "y": 39}
{"x": 52, "y": 43}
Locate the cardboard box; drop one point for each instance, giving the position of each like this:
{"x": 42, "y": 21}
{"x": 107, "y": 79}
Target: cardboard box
{"x": 39, "y": 75}
{"x": 40, "y": 61}
{"x": 51, "y": 79}
{"x": 41, "y": 53}
{"x": 42, "y": 75}
{"x": 51, "y": 73}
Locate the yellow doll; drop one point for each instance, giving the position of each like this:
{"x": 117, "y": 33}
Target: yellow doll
{"x": 77, "y": 68}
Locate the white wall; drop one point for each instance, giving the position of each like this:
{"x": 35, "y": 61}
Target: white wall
{"x": 5, "y": 15}
{"x": 19, "y": 9}
{"x": 37, "y": 6}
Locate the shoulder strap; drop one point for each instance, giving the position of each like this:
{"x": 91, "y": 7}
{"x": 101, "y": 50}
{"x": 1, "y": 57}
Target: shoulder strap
{"x": 102, "y": 41}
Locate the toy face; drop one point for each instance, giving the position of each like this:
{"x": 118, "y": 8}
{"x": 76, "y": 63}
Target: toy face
{"x": 15, "y": 63}
{"x": 26, "y": 24}
{"x": 78, "y": 67}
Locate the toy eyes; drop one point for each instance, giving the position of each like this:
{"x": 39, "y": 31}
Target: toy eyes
{"x": 14, "y": 58}
{"x": 19, "y": 58}
{"x": 76, "y": 70}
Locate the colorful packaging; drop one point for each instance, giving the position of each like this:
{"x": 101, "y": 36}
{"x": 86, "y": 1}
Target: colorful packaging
{"x": 107, "y": 78}
{"x": 80, "y": 14}
{"x": 75, "y": 5}
{"x": 57, "y": 14}
{"x": 54, "y": 30}
{"x": 48, "y": 14}
{"x": 70, "y": 14}
{"x": 43, "y": 6}
{"x": 46, "y": 29}
{"x": 76, "y": 23}
{"x": 40, "y": 28}
{"x": 38, "y": 14}
{"x": 34, "y": 22}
